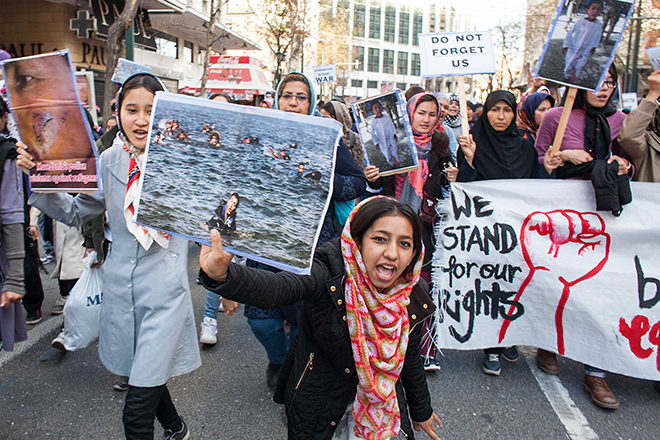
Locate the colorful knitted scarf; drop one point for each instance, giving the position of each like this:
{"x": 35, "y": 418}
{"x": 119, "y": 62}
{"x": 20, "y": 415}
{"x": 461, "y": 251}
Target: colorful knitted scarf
{"x": 378, "y": 325}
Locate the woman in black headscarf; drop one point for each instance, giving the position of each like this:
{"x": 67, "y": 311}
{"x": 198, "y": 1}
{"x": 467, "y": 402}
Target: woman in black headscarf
{"x": 495, "y": 148}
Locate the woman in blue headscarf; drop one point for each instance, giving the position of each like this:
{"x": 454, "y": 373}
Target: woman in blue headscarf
{"x": 531, "y": 113}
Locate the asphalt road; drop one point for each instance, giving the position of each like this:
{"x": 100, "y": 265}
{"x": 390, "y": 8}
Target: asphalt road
{"x": 47, "y": 395}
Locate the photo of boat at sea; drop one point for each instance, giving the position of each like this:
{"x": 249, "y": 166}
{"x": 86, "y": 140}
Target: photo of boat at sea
{"x": 262, "y": 177}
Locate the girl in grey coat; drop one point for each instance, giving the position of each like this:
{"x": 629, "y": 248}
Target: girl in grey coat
{"x": 147, "y": 329}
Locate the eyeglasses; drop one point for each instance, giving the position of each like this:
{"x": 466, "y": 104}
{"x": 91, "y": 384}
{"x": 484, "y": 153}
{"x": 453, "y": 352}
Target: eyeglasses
{"x": 290, "y": 96}
{"x": 609, "y": 84}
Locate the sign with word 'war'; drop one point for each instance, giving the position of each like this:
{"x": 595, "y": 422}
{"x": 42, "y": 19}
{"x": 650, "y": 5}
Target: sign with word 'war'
{"x": 457, "y": 53}
{"x": 531, "y": 262}
{"x": 325, "y": 74}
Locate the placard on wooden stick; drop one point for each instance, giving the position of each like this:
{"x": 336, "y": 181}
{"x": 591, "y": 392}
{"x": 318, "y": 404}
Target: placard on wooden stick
{"x": 457, "y": 54}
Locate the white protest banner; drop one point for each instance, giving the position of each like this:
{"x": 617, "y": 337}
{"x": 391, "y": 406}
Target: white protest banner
{"x": 629, "y": 100}
{"x": 531, "y": 262}
{"x": 457, "y": 53}
{"x": 654, "y": 57}
{"x": 325, "y": 74}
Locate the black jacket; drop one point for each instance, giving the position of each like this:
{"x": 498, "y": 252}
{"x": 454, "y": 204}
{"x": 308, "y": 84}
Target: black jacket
{"x": 318, "y": 380}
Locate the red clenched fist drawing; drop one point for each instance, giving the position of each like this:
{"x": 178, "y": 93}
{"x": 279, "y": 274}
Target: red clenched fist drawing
{"x": 572, "y": 246}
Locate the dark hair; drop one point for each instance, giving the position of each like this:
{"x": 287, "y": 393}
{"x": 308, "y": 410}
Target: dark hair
{"x": 581, "y": 97}
{"x": 428, "y": 98}
{"x": 381, "y": 207}
{"x": 147, "y": 81}
{"x": 328, "y": 107}
{"x": 440, "y": 146}
{"x": 412, "y": 91}
{"x": 3, "y": 107}
{"x": 238, "y": 199}
{"x": 293, "y": 77}
{"x": 224, "y": 95}
{"x": 591, "y": 2}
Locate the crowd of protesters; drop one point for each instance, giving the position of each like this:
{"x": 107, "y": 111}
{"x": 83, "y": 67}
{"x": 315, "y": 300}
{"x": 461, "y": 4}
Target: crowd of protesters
{"x": 364, "y": 372}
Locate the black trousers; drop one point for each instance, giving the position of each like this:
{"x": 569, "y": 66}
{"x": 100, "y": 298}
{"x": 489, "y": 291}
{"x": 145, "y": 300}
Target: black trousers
{"x": 34, "y": 292}
{"x": 140, "y": 408}
{"x": 66, "y": 286}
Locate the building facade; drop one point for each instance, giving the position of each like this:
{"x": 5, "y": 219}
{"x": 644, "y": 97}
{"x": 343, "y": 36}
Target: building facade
{"x": 169, "y": 35}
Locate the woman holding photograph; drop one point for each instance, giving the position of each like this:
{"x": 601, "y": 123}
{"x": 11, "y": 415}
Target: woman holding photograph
{"x": 147, "y": 327}
{"x": 591, "y": 133}
{"x": 340, "y": 377}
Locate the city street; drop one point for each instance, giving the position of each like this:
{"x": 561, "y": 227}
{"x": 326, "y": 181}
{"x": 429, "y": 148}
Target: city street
{"x": 48, "y": 395}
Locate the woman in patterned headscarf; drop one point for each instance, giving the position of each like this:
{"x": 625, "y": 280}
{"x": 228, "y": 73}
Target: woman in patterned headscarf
{"x": 359, "y": 333}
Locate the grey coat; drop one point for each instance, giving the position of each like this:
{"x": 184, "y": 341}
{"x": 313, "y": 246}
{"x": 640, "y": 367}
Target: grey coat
{"x": 147, "y": 325}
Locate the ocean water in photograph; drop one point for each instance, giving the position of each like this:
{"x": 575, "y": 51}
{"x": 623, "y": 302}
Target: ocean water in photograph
{"x": 187, "y": 178}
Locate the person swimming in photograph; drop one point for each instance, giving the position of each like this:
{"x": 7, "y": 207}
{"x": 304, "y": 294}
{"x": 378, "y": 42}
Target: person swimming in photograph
{"x": 224, "y": 218}
{"x": 281, "y": 155}
{"x": 582, "y": 40}
{"x": 215, "y": 139}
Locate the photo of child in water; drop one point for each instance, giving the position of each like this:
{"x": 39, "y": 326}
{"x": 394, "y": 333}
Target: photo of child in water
{"x": 272, "y": 169}
{"x": 582, "y": 41}
{"x": 51, "y": 120}
{"x": 385, "y": 132}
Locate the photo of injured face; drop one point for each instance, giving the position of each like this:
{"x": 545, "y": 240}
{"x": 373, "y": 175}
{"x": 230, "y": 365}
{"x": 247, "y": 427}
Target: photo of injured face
{"x": 51, "y": 122}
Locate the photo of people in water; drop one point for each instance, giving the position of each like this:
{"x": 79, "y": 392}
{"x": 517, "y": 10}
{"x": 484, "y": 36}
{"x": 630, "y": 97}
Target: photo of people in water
{"x": 261, "y": 177}
{"x": 582, "y": 41}
{"x": 386, "y": 135}
{"x": 52, "y": 122}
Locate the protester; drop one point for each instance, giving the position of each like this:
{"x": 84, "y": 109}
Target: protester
{"x": 531, "y": 113}
{"x": 590, "y": 136}
{"x": 640, "y": 134}
{"x": 412, "y": 91}
{"x": 12, "y": 247}
{"x": 453, "y": 118}
{"x": 221, "y": 97}
{"x": 147, "y": 327}
{"x": 495, "y": 149}
{"x": 378, "y": 257}
{"x": 294, "y": 94}
{"x": 443, "y": 102}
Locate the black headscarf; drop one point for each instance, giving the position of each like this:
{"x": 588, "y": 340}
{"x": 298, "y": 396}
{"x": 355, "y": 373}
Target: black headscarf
{"x": 597, "y": 134}
{"x": 502, "y": 154}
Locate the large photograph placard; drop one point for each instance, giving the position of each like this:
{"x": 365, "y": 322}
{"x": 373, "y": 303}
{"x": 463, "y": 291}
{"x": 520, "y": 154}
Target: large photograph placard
{"x": 44, "y": 101}
{"x": 533, "y": 263}
{"x": 384, "y": 129}
{"x": 582, "y": 42}
{"x": 261, "y": 177}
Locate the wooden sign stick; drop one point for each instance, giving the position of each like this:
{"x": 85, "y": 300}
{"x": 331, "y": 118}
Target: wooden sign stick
{"x": 563, "y": 120}
{"x": 462, "y": 103}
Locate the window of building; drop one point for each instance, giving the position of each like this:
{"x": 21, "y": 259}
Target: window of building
{"x": 402, "y": 63}
{"x": 372, "y": 84}
{"x": 358, "y": 55}
{"x": 356, "y": 83}
{"x": 201, "y": 53}
{"x": 359, "y": 16}
{"x": 326, "y": 8}
{"x": 401, "y": 86}
{"x": 388, "y": 61}
{"x": 166, "y": 45}
{"x": 374, "y": 59}
{"x": 188, "y": 54}
{"x": 374, "y": 19}
{"x": 343, "y": 5}
{"x": 390, "y": 22}
{"x": 418, "y": 21}
{"x": 404, "y": 25}
{"x": 415, "y": 65}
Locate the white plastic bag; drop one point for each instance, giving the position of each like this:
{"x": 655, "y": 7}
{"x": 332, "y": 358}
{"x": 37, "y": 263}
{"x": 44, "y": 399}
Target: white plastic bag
{"x": 83, "y": 308}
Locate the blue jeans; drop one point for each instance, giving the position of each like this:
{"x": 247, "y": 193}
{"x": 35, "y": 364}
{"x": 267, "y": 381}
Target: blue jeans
{"x": 212, "y": 305}
{"x": 594, "y": 371}
{"x": 45, "y": 225}
{"x": 270, "y": 332}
